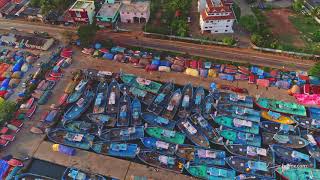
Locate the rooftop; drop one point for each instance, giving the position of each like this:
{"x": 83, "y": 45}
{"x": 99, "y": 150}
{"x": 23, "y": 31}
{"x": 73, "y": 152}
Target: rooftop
{"x": 137, "y": 6}
{"x": 109, "y": 10}
{"x": 81, "y": 4}
{"x": 29, "y": 11}
{"x": 206, "y": 17}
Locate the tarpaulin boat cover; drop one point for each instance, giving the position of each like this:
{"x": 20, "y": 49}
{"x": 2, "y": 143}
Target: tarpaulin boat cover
{"x": 263, "y": 82}
{"x": 306, "y": 99}
{"x": 274, "y": 73}
{"x": 4, "y": 166}
{"x": 283, "y": 84}
{"x": 192, "y": 72}
{"x": 212, "y": 73}
{"x": 227, "y": 77}
{"x": 194, "y": 64}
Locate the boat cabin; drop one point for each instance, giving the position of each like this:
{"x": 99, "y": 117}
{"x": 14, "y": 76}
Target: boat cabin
{"x": 254, "y": 151}
{"x": 74, "y": 137}
{"x": 119, "y": 147}
{"x": 127, "y": 132}
{"x": 300, "y": 156}
{"x": 257, "y": 166}
{"x": 166, "y": 160}
{"x": 189, "y": 127}
{"x": 162, "y": 145}
{"x": 161, "y": 120}
{"x": 217, "y": 172}
{"x": 202, "y": 153}
{"x": 168, "y": 133}
{"x": 242, "y": 123}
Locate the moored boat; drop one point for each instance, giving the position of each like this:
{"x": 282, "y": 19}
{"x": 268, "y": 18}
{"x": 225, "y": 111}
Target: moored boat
{"x": 136, "y": 119}
{"x": 72, "y": 173}
{"x": 101, "y": 98}
{"x": 158, "y": 160}
{"x": 281, "y": 107}
{"x": 159, "y": 145}
{"x": 155, "y": 120}
{"x": 239, "y": 112}
{"x": 106, "y": 120}
{"x": 210, "y": 172}
{"x": 166, "y": 135}
{"x": 238, "y": 124}
{"x": 290, "y": 141}
{"x": 186, "y": 102}
{"x": 208, "y": 108}
{"x": 171, "y": 109}
{"x": 144, "y": 96}
{"x": 79, "y": 90}
{"x": 193, "y": 133}
{"x": 161, "y": 99}
{"x": 124, "y": 150}
{"x": 250, "y": 152}
{"x": 241, "y": 138}
{"x": 127, "y": 78}
{"x": 309, "y": 123}
{"x": 146, "y": 85}
{"x": 113, "y": 98}
{"x": 69, "y": 138}
{"x": 301, "y": 173}
{"x": 237, "y": 99}
{"x": 258, "y": 169}
{"x": 313, "y": 148}
{"x": 81, "y": 127}
{"x": 31, "y": 176}
{"x": 123, "y": 134}
{"x": 124, "y": 115}
{"x": 198, "y": 100}
{"x": 276, "y": 117}
{"x": 200, "y": 155}
{"x": 277, "y": 128}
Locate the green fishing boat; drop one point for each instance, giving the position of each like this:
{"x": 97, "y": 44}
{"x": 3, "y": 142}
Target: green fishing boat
{"x": 238, "y": 124}
{"x": 166, "y": 135}
{"x": 282, "y": 107}
{"x": 299, "y": 173}
{"x": 210, "y": 172}
{"x": 141, "y": 83}
{"x": 241, "y": 138}
{"x": 127, "y": 78}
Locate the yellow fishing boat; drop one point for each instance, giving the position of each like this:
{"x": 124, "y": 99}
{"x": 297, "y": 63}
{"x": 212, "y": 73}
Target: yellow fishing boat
{"x": 276, "y": 117}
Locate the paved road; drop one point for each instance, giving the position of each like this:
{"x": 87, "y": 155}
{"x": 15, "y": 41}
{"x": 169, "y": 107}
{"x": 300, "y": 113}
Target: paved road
{"x": 218, "y": 52}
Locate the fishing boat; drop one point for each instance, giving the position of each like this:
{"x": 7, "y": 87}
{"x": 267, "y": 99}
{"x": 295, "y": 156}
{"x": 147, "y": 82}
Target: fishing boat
{"x": 251, "y": 152}
{"x": 276, "y": 117}
{"x": 127, "y": 78}
{"x": 101, "y": 98}
{"x": 146, "y": 85}
{"x": 113, "y": 98}
{"x": 311, "y": 124}
{"x": 72, "y": 173}
{"x": 200, "y": 155}
{"x": 161, "y": 99}
{"x": 277, "y": 128}
{"x": 123, "y": 134}
{"x": 314, "y": 112}
{"x": 258, "y": 169}
{"x": 79, "y": 90}
{"x": 144, "y": 96}
{"x": 209, "y": 172}
{"x": 106, "y": 120}
{"x": 287, "y": 155}
{"x": 76, "y": 110}
{"x": 166, "y": 135}
{"x": 241, "y": 137}
{"x": 136, "y": 112}
{"x": 281, "y": 107}
{"x": 153, "y": 158}
{"x": 198, "y": 100}
{"x": 239, "y": 112}
{"x": 31, "y": 176}
{"x": 159, "y": 121}
{"x": 199, "y": 121}
{"x": 69, "y": 138}
{"x": 237, "y": 99}
{"x": 186, "y": 104}
{"x": 173, "y": 105}
{"x": 238, "y": 124}
{"x": 124, "y": 115}
{"x": 159, "y": 145}
{"x": 290, "y": 141}
{"x": 193, "y": 134}
{"x": 81, "y": 127}
{"x": 62, "y": 100}
{"x": 313, "y": 148}
{"x": 123, "y": 150}
{"x": 298, "y": 173}
{"x": 208, "y": 107}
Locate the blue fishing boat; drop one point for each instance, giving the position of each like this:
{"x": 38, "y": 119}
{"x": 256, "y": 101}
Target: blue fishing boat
{"x": 124, "y": 115}
{"x": 81, "y": 127}
{"x": 172, "y": 107}
{"x": 200, "y": 155}
{"x": 193, "y": 134}
{"x": 208, "y": 108}
{"x": 161, "y": 99}
{"x": 144, "y": 96}
{"x": 76, "y": 110}
{"x": 72, "y": 173}
{"x": 209, "y": 172}
{"x": 313, "y": 148}
{"x": 101, "y": 98}
{"x": 312, "y": 124}
{"x": 79, "y": 90}
{"x": 155, "y": 120}
{"x": 239, "y": 112}
{"x": 237, "y": 99}
{"x": 314, "y": 112}
{"x": 103, "y": 119}
{"x": 290, "y": 141}
{"x": 199, "y": 121}
{"x": 278, "y": 128}
{"x": 136, "y": 112}
{"x": 70, "y": 138}
{"x": 254, "y": 168}
{"x": 167, "y": 162}
{"x": 198, "y": 100}
{"x": 236, "y": 137}
{"x": 123, "y": 150}
{"x": 113, "y": 98}
{"x": 287, "y": 155}
{"x": 159, "y": 145}
{"x": 251, "y": 152}
{"x": 238, "y": 124}
{"x": 186, "y": 103}
{"x": 123, "y": 134}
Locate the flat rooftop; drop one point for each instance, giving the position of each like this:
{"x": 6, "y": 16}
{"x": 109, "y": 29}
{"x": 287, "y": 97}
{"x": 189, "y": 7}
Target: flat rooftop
{"x": 108, "y": 10}
{"x": 137, "y": 6}
{"x": 81, "y": 4}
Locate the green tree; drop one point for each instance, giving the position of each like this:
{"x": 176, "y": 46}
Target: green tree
{"x": 7, "y": 109}
{"x": 315, "y": 70}
{"x": 180, "y": 27}
{"x": 297, "y": 5}
{"x": 229, "y": 41}
{"x": 257, "y": 39}
{"x": 316, "y": 36}
{"x": 35, "y": 3}
{"x": 249, "y": 22}
{"x": 87, "y": 34}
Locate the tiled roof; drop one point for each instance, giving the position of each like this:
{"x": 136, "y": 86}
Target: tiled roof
{"x": 206, "y": 17}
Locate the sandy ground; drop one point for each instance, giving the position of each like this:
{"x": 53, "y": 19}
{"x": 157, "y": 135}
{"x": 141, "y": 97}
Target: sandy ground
{"x": 281, "y": 26}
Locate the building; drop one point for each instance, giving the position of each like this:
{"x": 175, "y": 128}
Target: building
{"x": 32, "y": 14}
{"x": 217, "y": 17}
{"x": 82, "y": 11}
{"x": 109, "y": 13}
{"x": 135, "y": 11}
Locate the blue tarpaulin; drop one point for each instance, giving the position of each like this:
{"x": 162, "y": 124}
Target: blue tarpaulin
{"x": 4, "y": 166}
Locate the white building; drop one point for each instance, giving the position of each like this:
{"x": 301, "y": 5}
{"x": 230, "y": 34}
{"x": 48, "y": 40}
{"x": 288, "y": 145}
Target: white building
{"x": 135, "y": 11}
{"x": 217, "y": 17}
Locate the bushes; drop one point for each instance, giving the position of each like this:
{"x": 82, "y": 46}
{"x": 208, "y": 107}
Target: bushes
{"x": 315, "y": 70}
{"x": 237, "y": 10}
{"x": 7, "y": 108}
{"x": 229, "y": 41}
{"x": 87, "y": 34}
{"x": 249, "y": 22}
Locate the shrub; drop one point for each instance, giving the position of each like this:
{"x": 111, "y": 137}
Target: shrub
{"x": 229, "y": 41}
